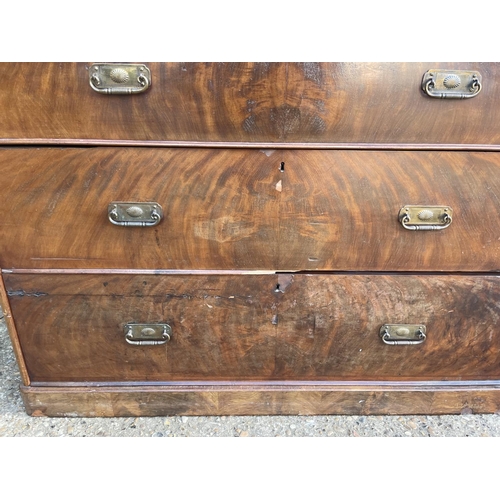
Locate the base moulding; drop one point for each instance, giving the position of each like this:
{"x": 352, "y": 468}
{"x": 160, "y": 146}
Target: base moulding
{"x": 269, "y": 399}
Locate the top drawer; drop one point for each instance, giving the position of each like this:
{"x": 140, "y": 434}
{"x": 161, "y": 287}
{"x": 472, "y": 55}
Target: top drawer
{"x": 372, "y": 103}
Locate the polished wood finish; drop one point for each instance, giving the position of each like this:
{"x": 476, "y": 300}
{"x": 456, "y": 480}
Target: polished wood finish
{"x": 220, "y": 208}
{"x": 280, "y": 255}
{"x": 248, "y": 209}
{"x": 285, "y": 327}
{"x": 415, "y": 399}
{"x": 250, "y": 102}
{"x": 71, "y": 327}
{"x": 330, "y": 324}
{"x": 339, "y": 211}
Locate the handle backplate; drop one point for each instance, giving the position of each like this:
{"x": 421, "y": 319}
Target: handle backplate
{"x": 119, "y": 78}
{"x": 394, "y": 334}
{"x": 141, "y": 214}
{"x": 147, "y": 333}
{"x": 425, "y": 217}
{"x": 451, "y": 84}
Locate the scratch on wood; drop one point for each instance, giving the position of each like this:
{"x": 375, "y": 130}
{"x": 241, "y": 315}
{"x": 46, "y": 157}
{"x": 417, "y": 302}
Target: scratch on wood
{"x": 312, "y": 329}
{"x": 22, "y": 293}
{"x": 169, "y": 296}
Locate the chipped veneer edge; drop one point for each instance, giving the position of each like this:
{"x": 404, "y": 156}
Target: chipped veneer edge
{"x": 11, "y": 328}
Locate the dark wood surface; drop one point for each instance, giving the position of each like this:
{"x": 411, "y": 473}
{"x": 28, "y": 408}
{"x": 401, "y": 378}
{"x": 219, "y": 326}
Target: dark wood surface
{"x": 329, "y": 327}
{"x": 71, "y": 327}
{"x": 247, "y": 328}
{"x": 264, "y": 400}
{"x": 220, "y": 208}
{"x": 236, "y": 209}
{"x": 291, "y": 343}
{"x": 250, "y": 102}
{"x": 339, "y": 211}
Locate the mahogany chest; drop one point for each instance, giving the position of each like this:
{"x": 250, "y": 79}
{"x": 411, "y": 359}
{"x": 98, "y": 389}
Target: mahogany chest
{"x": 252, "y": 238}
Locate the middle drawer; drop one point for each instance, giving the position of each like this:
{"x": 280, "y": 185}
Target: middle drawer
{"x": 247, "y": 209}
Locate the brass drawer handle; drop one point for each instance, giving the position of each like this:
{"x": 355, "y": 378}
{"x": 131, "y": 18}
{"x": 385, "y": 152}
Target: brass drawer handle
{"x": 403, "y": 334}
{"x": 141, "y": 214}
{"x": 119, "y": 78}
{"x": 425, "y": 218}
{"x": 450, "y": 84}
{"x": 147, "y": 334}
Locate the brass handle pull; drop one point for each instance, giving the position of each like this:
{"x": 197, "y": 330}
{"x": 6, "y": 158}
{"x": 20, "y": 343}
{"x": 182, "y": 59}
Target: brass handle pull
{"x": 147, "y": 334}
{"x": 135, "y": 214}
{"x": 450, "y": 84}
{"x": 403, "y": 334}
{"x": 119, "y": 78}
{"x": 425, "y": 218}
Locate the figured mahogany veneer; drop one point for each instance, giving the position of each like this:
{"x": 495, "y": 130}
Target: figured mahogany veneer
{"x": 255, "y": 328}
{"x": 220, "y": 208}
{"x": 339, "y": 211}
{"x": 280, "y": 255}
{"x": 248, "y": 209}
{"x": 249, "y": 102}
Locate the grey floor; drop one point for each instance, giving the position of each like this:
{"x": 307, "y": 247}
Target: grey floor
{"x": 15, "y": 422}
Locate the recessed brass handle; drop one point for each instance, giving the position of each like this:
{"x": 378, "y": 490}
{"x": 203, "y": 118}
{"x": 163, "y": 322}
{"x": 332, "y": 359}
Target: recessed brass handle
{"x": 142, "y": 214}
{"x": 147, "y": 334}
{"x": 425, "y": 218}
{"x": 403, "y": 334}
{"x": 451, "y": 84}
{"x": 119, "y": 78}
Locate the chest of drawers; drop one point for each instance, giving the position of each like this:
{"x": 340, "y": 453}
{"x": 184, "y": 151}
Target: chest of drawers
{"x": 252, "y": 238}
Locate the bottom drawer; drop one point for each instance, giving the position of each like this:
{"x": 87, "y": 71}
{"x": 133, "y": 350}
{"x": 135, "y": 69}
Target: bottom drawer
{"x": 251, "y": 328}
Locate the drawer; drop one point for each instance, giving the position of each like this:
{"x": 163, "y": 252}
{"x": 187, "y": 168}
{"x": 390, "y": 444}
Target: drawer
{"x": 250, "y": 102}
{"x": 226, "y": 209}
{"x": 286, "y": 327}
{"x": 220, "y": 208}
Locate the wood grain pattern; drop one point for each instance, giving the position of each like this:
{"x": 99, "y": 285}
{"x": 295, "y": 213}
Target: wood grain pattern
{"x": 250, "y": 102}
{"x": 72, "y": 326}
{"x": 220, "y": 208}
{"x": 333, "y": 399}
{"x": 329, "y": 327}
{"x": 235, "y": 209}
{"x": 265, "y": 172}
{"x": 245, "y": 328}
{"x": 339, "y": 211}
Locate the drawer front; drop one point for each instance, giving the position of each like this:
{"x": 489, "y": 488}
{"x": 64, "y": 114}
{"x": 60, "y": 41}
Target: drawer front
{"x": 339, "y": 210}
{"x": 251, "y": 102}
{"x": 220, "y": 208}
{"x": 287, "y": 327}
{"x": 248, "y": 209}
{"x": 72, "y": 328}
